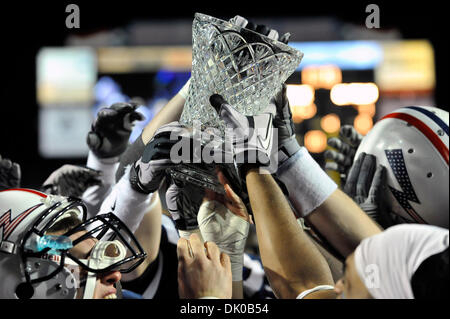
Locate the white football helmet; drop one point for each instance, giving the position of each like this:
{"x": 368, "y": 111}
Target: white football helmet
{"x": 34, "y": 263}
{"x": 412, "y": 143}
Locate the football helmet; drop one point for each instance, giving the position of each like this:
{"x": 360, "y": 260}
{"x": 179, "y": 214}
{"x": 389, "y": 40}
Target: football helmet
{"x": 412, "y": 143}
{"x": 39, "y": 234}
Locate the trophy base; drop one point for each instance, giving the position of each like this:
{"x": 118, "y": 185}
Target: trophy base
{"x": 201, "y": 175}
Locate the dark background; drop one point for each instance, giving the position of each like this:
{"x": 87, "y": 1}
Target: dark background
{"x": 25, "y": 27}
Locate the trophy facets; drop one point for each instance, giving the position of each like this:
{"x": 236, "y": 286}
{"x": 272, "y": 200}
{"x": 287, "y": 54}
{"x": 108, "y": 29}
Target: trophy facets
{"x": 245, "y": 67}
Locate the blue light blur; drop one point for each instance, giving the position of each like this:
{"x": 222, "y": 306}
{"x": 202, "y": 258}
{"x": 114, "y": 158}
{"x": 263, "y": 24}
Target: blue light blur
{"x": 347, "y": 55}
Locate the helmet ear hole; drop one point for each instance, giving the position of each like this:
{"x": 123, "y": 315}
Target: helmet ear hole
{"x": 24, "y": 291}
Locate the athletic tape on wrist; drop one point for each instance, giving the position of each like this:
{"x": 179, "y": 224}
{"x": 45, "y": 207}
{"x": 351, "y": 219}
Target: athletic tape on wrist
{"x": 186, "y": 233}
{"x": 308, "y": 184}
{"x": 227, "y": 230}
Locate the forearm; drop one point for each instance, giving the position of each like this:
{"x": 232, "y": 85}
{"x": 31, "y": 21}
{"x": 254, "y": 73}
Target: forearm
{"x": 316, "y": 198}
{"x": 292, "y": 262}
{"x": 169, "y": 113}
{"x": 342, "y": 222}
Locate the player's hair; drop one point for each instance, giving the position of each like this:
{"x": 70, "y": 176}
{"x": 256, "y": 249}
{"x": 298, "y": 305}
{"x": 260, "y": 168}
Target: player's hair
{"x": 431, "y": 279}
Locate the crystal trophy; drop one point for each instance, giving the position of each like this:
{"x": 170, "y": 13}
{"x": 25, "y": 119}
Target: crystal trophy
{"x": 246, "y": 67}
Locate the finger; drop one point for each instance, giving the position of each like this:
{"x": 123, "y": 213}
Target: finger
{"x": 365, "y": 176}
{"x": 122, "y": 107}
{"x": 183, "y": 251}
{"x": 232, "y": 196}
{"x": 212, "y": 251}
{"x": 198, "y": 249}
{"x": 171, "y": 201}
{"x": 378, "y": 182}
{"x": 222, "y": 178}
{"x": 350, "y": 134}
{"x": 352, "y": 178}
{"x": 217, "y": 101}
{"x": 341, "y": 146}
{"x": 225, "y": 261}
{"x": 285, "y": 38}
{"x": 333, "y": 166}
{"x": 104, "y": 116}
{"x": 93, "y": 140}
{"x": 136, "y": 116}
{"x": 339, "y": 158}
{"x": 229, "y": 114}
{"x": 16, "y": 172}
{"x": 6, "y": 163}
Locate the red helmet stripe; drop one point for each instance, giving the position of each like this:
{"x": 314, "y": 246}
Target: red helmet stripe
{"x": 25, "y": 190}
{"x": 422, "y": 127}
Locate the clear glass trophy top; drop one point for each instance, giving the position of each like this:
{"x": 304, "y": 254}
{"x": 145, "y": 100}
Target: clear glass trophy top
{"x": 245, "y": 67}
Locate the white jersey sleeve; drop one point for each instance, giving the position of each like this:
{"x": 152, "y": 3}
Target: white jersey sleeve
{"x": 94, "y": 195}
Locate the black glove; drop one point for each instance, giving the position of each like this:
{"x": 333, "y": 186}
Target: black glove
{"x": 183, "y": 202}
{"x": 287, "y": 143}
{"x": 147, "y": 173}
{"x": 71, "y": 180}
{"x": 365, "y": 185}
{"x": 346, "y": 145}
{"x": 112, "y": 128}
{"x": 10, "y": 174}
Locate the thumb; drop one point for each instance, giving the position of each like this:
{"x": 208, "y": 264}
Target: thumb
{"x": 93, "y": 141}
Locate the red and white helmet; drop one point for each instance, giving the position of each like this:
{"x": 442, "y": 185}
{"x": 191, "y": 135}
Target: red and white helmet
{"x": 32, "y": 266}
{"x": 412, "y": 143}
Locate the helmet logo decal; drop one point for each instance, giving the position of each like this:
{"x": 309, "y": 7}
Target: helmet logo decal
{"x": 397, "y": 163}
{"x": 9, "y": 225}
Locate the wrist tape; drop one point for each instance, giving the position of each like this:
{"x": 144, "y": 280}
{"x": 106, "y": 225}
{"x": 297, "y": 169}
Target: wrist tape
{"x": 227, "y": 230}
{"x": 308, "y": 184}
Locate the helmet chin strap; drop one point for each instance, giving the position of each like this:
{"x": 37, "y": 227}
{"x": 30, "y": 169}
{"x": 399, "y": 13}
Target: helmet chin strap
{"x": 99, "y": 259}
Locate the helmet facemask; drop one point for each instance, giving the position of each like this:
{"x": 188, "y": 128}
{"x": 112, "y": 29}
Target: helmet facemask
{"x": 62, "y": 253}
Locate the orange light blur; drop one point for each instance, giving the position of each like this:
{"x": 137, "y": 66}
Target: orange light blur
{"x": 354, "y": 93}
{"x": 315, "y": 141}
{"x": 300, "y": 95}
{"x": 322, "y": 77}
{"x": 363, "y": 123}
{"x": 368, "y": 109}
{"x": 300, "y": 113}
{"x": 330, "y": 123}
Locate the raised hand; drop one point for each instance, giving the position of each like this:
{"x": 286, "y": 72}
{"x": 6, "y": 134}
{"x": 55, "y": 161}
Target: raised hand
{"x": 112, "y": 128}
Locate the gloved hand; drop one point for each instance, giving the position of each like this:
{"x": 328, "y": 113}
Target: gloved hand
{"x": 71, "y": 180}
{"x": 183, "y": 202}
{"x": 365, "y": 184}
{"x": 287, "y": 143}
{"x": 251, "y": 136}
{"x": 10, "y": 174}
{"x": 346, "y": 144}
{"x": 112, "y": 128}
{"x": 147, "y": 172}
